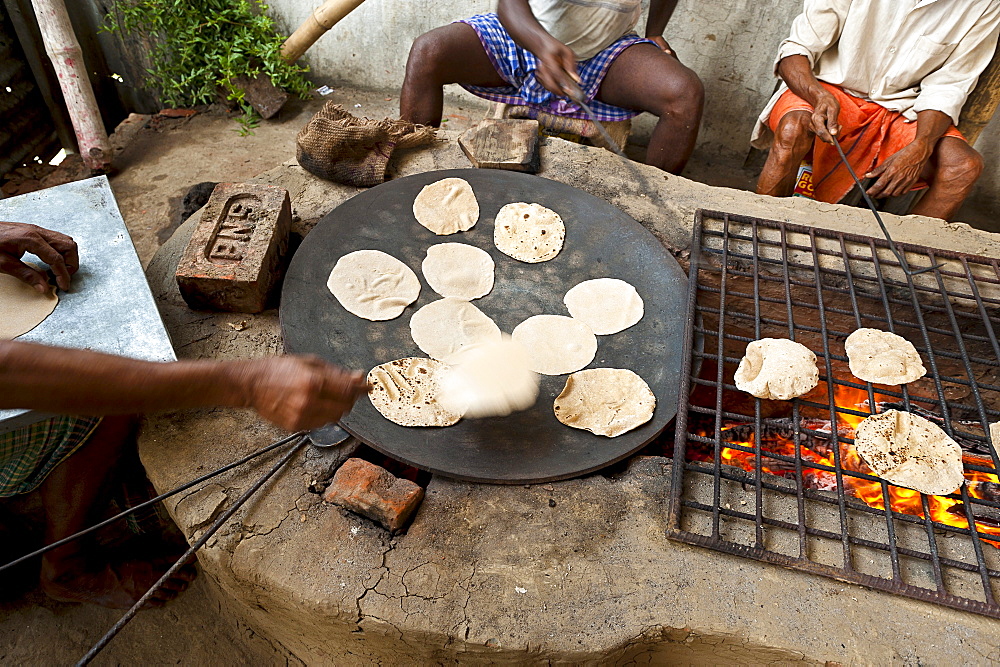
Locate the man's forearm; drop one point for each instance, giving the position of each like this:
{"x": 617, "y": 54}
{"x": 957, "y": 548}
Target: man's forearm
{"x": 84, "y": 382}
{"x": 523, "y": 27}
{"x": 931, "y": 125}
{"x": 660, "y": 12}
{"x": 798, "y": 75}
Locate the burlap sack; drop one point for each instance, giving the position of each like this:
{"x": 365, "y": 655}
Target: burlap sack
{"x": 343, "y": 148}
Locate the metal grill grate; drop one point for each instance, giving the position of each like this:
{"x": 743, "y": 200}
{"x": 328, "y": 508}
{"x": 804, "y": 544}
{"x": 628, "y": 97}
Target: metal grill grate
{"x": 779, "y": 481}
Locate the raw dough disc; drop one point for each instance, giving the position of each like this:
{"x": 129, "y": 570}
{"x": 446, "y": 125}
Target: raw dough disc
{"x": 373, "y": 285}
{"x": 777, "y": 368}
{"x": 489, "y": 379}
{"x": 405, "y": 392}
{"x": 443, "y": 327}
{"x": 908, "y": 450}
{"x": 556, "y": 344}
{"x": 459, "y": 270}
{"x": 22, "y": 308}
{"x": 883, "y": 357}
{"x": 606, "y": 305}
{"x": 447, "y": 206}
{"x": 529, "y": 232}
{"x": 605, "y": 401}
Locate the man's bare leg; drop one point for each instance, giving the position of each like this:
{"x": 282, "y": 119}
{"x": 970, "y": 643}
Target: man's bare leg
{"x": 71, "y": 494}
{"x": 956, "y": 167}
{"x": 449, "y": 54}
{"x": 644, "y": 78}
{"x": 793, "y": 138}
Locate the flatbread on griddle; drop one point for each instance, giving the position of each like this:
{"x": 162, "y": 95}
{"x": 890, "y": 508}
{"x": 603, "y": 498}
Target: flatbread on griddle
{"x": 22, "y": 307}
{"x": 443, "y": 327}
{"x": 459, "y": 270}
{"x": 556, "y": 344}
{"x": 883, "y": 357}
{"x": 777, "y": 368}
{"x": 373, "y": 285}
{"x": 405, "y": 391}
{"x": 489, "y": 379}
{"x": 606, "y": 305}
{"x": 529, "y": 232}
{"x": 447, "y": 206}
{"x": 908, "y": 450}
{"x": 605, "y": 401}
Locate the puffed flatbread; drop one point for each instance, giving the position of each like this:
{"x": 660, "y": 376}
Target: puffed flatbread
{"x": 529, "y": 232}
{"x": 777, "y": 368}
{"x": 22, "y": 307}
{"x": 405, "y": 391}
{"x": 459, "y": 270}
{"x": 995, "y": 434}
{"x": 556, "y": 344}
{"x": 443, "y": 327}
{"x": 606, "y": 305}
{"x": 373, "y": 285}
{"x": 883, "y": 357}
{"x": 908, "y": 450}
{"x": 605, "y": 401}
{"x": 447, "y": 206}
{"x": 490, "y": 379}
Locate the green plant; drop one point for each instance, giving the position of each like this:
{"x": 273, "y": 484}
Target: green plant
{"x": 201, "y": 46}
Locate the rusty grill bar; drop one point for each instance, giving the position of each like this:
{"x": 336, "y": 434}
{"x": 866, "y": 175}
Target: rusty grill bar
{"x": 797, "y": 499}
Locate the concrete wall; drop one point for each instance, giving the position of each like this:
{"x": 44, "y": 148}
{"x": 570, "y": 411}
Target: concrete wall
{"x": 729, "y": 43}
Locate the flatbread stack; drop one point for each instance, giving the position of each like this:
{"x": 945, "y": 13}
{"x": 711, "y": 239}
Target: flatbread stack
{"x": 405, "y": 391}
{"x": 605, "y": 401}
{"x": 883, "y": 357}
{"x": 459, "y": 270}
{"x": 529, "y": 232}
{"x": 556, "y": 344}
{"x": 777, "y": 368}
{"x": 443, "y": 327}
{"x": 606, "y": 305}
{"x": 447, "y": 206}
{"x": 373, "y": 285}
{"x": 22, "y": 307}
{"x": 908, "y": 450}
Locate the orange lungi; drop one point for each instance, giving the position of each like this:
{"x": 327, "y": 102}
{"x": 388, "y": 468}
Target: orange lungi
{"x": 869, "y": 133}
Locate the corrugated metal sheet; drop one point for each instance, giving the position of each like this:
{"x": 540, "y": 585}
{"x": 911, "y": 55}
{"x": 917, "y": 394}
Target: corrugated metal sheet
{"x": 26, "y": 128}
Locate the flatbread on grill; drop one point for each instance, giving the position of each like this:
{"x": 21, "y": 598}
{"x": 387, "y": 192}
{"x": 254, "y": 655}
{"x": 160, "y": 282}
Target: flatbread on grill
{"x": 405, "y": 391}
{"x": 777, "y": 368}
{"x": 489, "y": 379}
{"x": 556, "y": 344}
{"x": 605, "y": 401}
{"x": 606, "y": 305}
{"x": 373, "y": 285}
{"x": 908, "y": 450}
{"x": 883, "y": 357}
{"x": 459, "y": 270}
{"x": 995, "y": 434}
{"x": 443, "y": 327}
{"x": 22, "y": 307}
{"x": 447, "y": 206}
{"x": 529, "y": 232}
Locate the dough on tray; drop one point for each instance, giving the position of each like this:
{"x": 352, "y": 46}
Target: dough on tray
{"x": 447, "y": 206}
{"x": 605, "y": 401}
{"x": 22, "y": 307}
{"x": 883, "y": 357}
{"x": 777, "y": 368}
{"x": 373, "y": 285}
{"x": 405, "y": 391}
{"x": 529, "y": 232}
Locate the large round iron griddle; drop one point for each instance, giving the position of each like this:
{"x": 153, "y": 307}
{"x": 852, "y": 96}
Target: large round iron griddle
{"x": 529, "y": 446}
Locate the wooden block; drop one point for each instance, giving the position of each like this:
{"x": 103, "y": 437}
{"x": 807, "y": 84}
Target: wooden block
{"x": 502, "y": 144}
{"x": 235, "y": 255}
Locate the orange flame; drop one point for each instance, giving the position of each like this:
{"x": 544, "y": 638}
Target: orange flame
{"x": 902, "y": 500}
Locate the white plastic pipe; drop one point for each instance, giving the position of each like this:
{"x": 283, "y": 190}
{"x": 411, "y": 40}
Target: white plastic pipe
{"x": 322, "y": 19}
{"x": 66, "y": 55}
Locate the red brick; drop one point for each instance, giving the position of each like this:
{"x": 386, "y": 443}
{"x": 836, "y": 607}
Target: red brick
{"x": 374, "y": 492}
{"x": 235, "y": 255}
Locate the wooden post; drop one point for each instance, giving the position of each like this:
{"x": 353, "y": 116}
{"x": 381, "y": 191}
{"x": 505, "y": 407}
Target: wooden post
{"x": 982, "y": 102}
{"x": 322, "y": 19}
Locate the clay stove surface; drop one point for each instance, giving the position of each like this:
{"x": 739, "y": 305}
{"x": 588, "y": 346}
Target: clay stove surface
{"x": 579, "y": 570}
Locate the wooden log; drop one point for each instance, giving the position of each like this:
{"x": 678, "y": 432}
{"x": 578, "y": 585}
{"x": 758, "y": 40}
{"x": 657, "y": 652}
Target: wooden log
{"x": 982, "y": 101}
{"x": 502, "y": 144}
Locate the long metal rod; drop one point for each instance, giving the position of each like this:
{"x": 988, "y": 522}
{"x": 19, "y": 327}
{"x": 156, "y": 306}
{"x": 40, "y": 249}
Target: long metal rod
{"x": 153, "y": 501}
{"x": 130, "y": 614}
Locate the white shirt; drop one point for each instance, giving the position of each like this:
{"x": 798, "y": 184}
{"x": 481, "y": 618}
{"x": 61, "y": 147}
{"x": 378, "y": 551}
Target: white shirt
{"x": 587, "y": 26}
{"x": 906, "y": 55}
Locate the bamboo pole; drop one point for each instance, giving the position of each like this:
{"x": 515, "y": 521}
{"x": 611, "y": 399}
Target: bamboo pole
{"x": 982, "y": 101}
{"x": 66, "y": 55}
{"x": 322, "y": 19}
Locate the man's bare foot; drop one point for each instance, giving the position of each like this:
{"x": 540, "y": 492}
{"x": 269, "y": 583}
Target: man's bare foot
{"x": 118, "y": 585}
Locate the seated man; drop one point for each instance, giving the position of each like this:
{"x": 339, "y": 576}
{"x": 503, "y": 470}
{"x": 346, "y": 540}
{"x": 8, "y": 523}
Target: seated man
{"x": 536, "y": 52}
{"x": 71, "y": 458}
{"x": 887, "y": 79}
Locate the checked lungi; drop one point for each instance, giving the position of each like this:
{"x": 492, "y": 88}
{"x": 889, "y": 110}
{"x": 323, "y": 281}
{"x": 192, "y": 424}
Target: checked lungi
{"x": 517, "y": 67}
{"x": 30, "y": 453}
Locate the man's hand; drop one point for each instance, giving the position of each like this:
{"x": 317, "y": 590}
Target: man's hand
{"x": 301, "y": 392}
{"x": 664, "y": 46}
{"x": 557, "y": 68}
{"x": 824, "y": 117}
{"x": 900, "y": 171}
{"x": 57, "y": 250}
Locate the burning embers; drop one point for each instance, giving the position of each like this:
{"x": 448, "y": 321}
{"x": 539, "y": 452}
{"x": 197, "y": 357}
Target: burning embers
{"x": 806, "y": 449}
